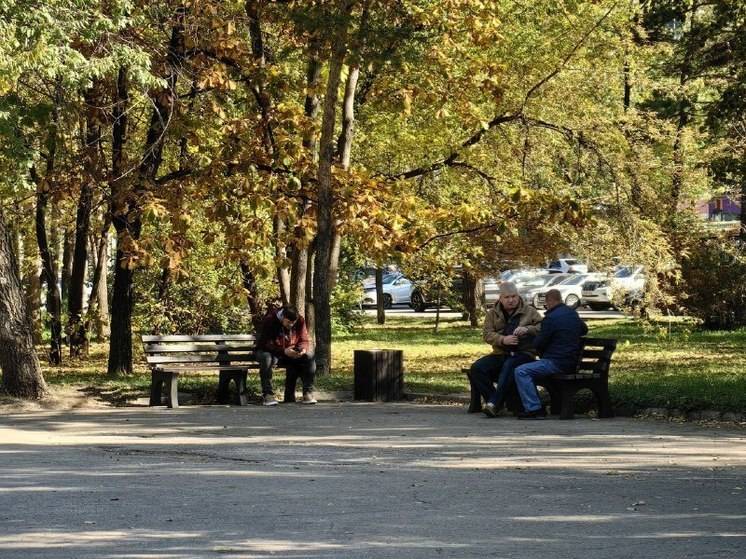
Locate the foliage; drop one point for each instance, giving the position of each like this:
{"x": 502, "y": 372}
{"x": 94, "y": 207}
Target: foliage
{"x": 713, "y": 273}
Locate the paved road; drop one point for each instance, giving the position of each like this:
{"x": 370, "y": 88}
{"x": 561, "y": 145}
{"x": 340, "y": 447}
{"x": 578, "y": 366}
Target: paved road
{"x": 365, "y": 481}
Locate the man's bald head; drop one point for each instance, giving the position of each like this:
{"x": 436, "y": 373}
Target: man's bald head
{"x": 552, "y": 299}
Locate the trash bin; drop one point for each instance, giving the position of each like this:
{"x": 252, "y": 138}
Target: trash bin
{"x": 379, "y": 375}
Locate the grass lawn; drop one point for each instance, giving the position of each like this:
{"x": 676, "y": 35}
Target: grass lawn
{"x": 654, "y": 366}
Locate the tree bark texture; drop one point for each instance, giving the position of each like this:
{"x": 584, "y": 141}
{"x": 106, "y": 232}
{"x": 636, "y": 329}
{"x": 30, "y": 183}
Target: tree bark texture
{"x": 325, "y": 196}
{"x": 21, "y": 372}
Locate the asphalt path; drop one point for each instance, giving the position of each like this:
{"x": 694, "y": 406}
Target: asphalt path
{"x": 355, "y": 480}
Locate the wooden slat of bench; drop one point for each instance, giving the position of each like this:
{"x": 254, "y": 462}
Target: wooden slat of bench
{"x": 214, "y": 367}
{"x": 179, "y": 347}
{"x": 200, "y": 358}
{"x": 577, "y": 376}
{"x": 201, "y": 338}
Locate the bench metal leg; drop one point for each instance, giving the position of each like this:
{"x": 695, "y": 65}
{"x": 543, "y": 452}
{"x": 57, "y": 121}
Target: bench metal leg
{"x": 567, "y": 409}
{"x": 240, "y": 381}
{"x": 605, "y": 409}
{"x": 223, "y": 386}
{"x": 172, "y": 389}
{"x": 156, "y": 388}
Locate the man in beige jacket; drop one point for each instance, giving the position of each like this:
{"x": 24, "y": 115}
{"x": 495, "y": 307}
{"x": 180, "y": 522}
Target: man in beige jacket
{"x": 509, "y": 328}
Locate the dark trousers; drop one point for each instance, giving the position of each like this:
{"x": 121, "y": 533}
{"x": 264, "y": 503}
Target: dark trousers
{"x": 491, "y": 369}
{"x": 303, "y": 367}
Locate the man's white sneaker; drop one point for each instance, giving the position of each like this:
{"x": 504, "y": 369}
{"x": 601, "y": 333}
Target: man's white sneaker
{"x": 308, "y": 398}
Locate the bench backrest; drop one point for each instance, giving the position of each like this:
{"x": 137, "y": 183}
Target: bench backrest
{"x": 596, "y": 355}
{"x": 213, "y": 348}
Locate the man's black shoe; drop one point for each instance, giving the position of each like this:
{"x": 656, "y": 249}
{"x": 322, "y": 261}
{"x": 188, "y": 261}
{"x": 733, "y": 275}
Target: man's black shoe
{"x": 541, "y": 413}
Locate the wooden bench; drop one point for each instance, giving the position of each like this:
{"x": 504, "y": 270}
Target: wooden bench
{"x": 592, "y": 372}
{"x": 230, "y": 355}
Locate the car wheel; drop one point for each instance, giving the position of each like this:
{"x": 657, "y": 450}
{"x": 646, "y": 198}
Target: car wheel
{"x": 535, "y": 302}
{"x": 418, "y": 302}
{"x": 387, "y": 301}
{"x": 572, "y": 301}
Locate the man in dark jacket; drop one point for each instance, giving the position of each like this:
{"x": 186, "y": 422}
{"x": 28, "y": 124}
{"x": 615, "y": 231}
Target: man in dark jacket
{"x": 559, "y": 346}
{"x": 283, "y": 342}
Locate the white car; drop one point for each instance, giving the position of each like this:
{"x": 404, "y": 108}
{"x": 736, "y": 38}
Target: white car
{"x": 567, "y": 266}
{"x": 396, "y": 290}
{"x": 532, "y": 293}
{"x": 599, "y": 294}
{"x": 571, "y": 289}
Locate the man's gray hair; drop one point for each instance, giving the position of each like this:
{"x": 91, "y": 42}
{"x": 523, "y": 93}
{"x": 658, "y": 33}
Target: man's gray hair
{"x": 508, "y": 288}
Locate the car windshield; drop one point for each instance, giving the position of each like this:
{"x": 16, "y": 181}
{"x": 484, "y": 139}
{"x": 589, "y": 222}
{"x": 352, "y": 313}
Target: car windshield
{"x": 624, "y": 272}
{"x": 571, "y": 262}
{"x": 540, "y": 281}
{"x": 574, "y": 280}
{"x": 557, "y": 279}
{"x": 390, "y": 278}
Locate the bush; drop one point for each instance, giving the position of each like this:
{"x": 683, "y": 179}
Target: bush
{"x": 714, "y": 289}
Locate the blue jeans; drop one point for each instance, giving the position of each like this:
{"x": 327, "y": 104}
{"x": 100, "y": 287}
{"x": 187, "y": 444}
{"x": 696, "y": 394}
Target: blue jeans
{"x": 496, "y": 368}
{"x": 505, "y": 381}
{"x": 524, "y": 379}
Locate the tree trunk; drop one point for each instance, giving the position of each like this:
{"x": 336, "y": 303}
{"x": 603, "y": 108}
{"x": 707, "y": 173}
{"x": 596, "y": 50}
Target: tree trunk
{"x": 301, "y": 268}
{"x": 298, "y": 278}
{"x": 310, "y": 315}
{"x": 127, "y": 220}
{"x": 32, "y": 288}
{"x": 472, "y": 298}
{"x": 742, "y": 215}
{"x": 283, "y": 274}
{"x": 76, "y": 326}
{"x": 380, "y": 311}
{"x": 67, "y": 262}
{"x": 21, "y": 371}
{"x": 325, "y": 210}
{"x": 98, "y": 304}
{"x": 252, "y": 295}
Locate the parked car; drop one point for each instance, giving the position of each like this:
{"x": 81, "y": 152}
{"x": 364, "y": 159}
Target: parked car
{"x": 397, "y": 289}
{"x": 531, "y": 295}
{"x": 567, "y": 265}
{"x": 600, "y": 294}
{"x": 571, "y": 290}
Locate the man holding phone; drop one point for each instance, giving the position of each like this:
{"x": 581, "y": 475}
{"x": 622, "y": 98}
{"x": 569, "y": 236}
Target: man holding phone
{"x": 283, "y": 342}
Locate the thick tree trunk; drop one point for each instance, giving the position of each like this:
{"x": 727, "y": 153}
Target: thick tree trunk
{"x": 21, "y": 371}
{"x": 380, "y": 309}
{"x": 325, "y": 210}
{"x": 126, "y": 218}
{"x": 283, "y": 274}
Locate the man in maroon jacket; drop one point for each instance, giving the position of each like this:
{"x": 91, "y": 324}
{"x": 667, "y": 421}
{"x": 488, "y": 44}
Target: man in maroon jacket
{"x": 283, "y": 342}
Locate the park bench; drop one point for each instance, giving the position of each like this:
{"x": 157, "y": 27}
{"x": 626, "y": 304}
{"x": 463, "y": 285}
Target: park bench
{"x": 592, "y": 372}
{"x": 229, "y": 355}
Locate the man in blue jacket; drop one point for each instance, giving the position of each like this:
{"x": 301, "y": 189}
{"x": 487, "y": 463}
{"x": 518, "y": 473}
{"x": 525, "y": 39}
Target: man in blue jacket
{"x": 559, "y": 346}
